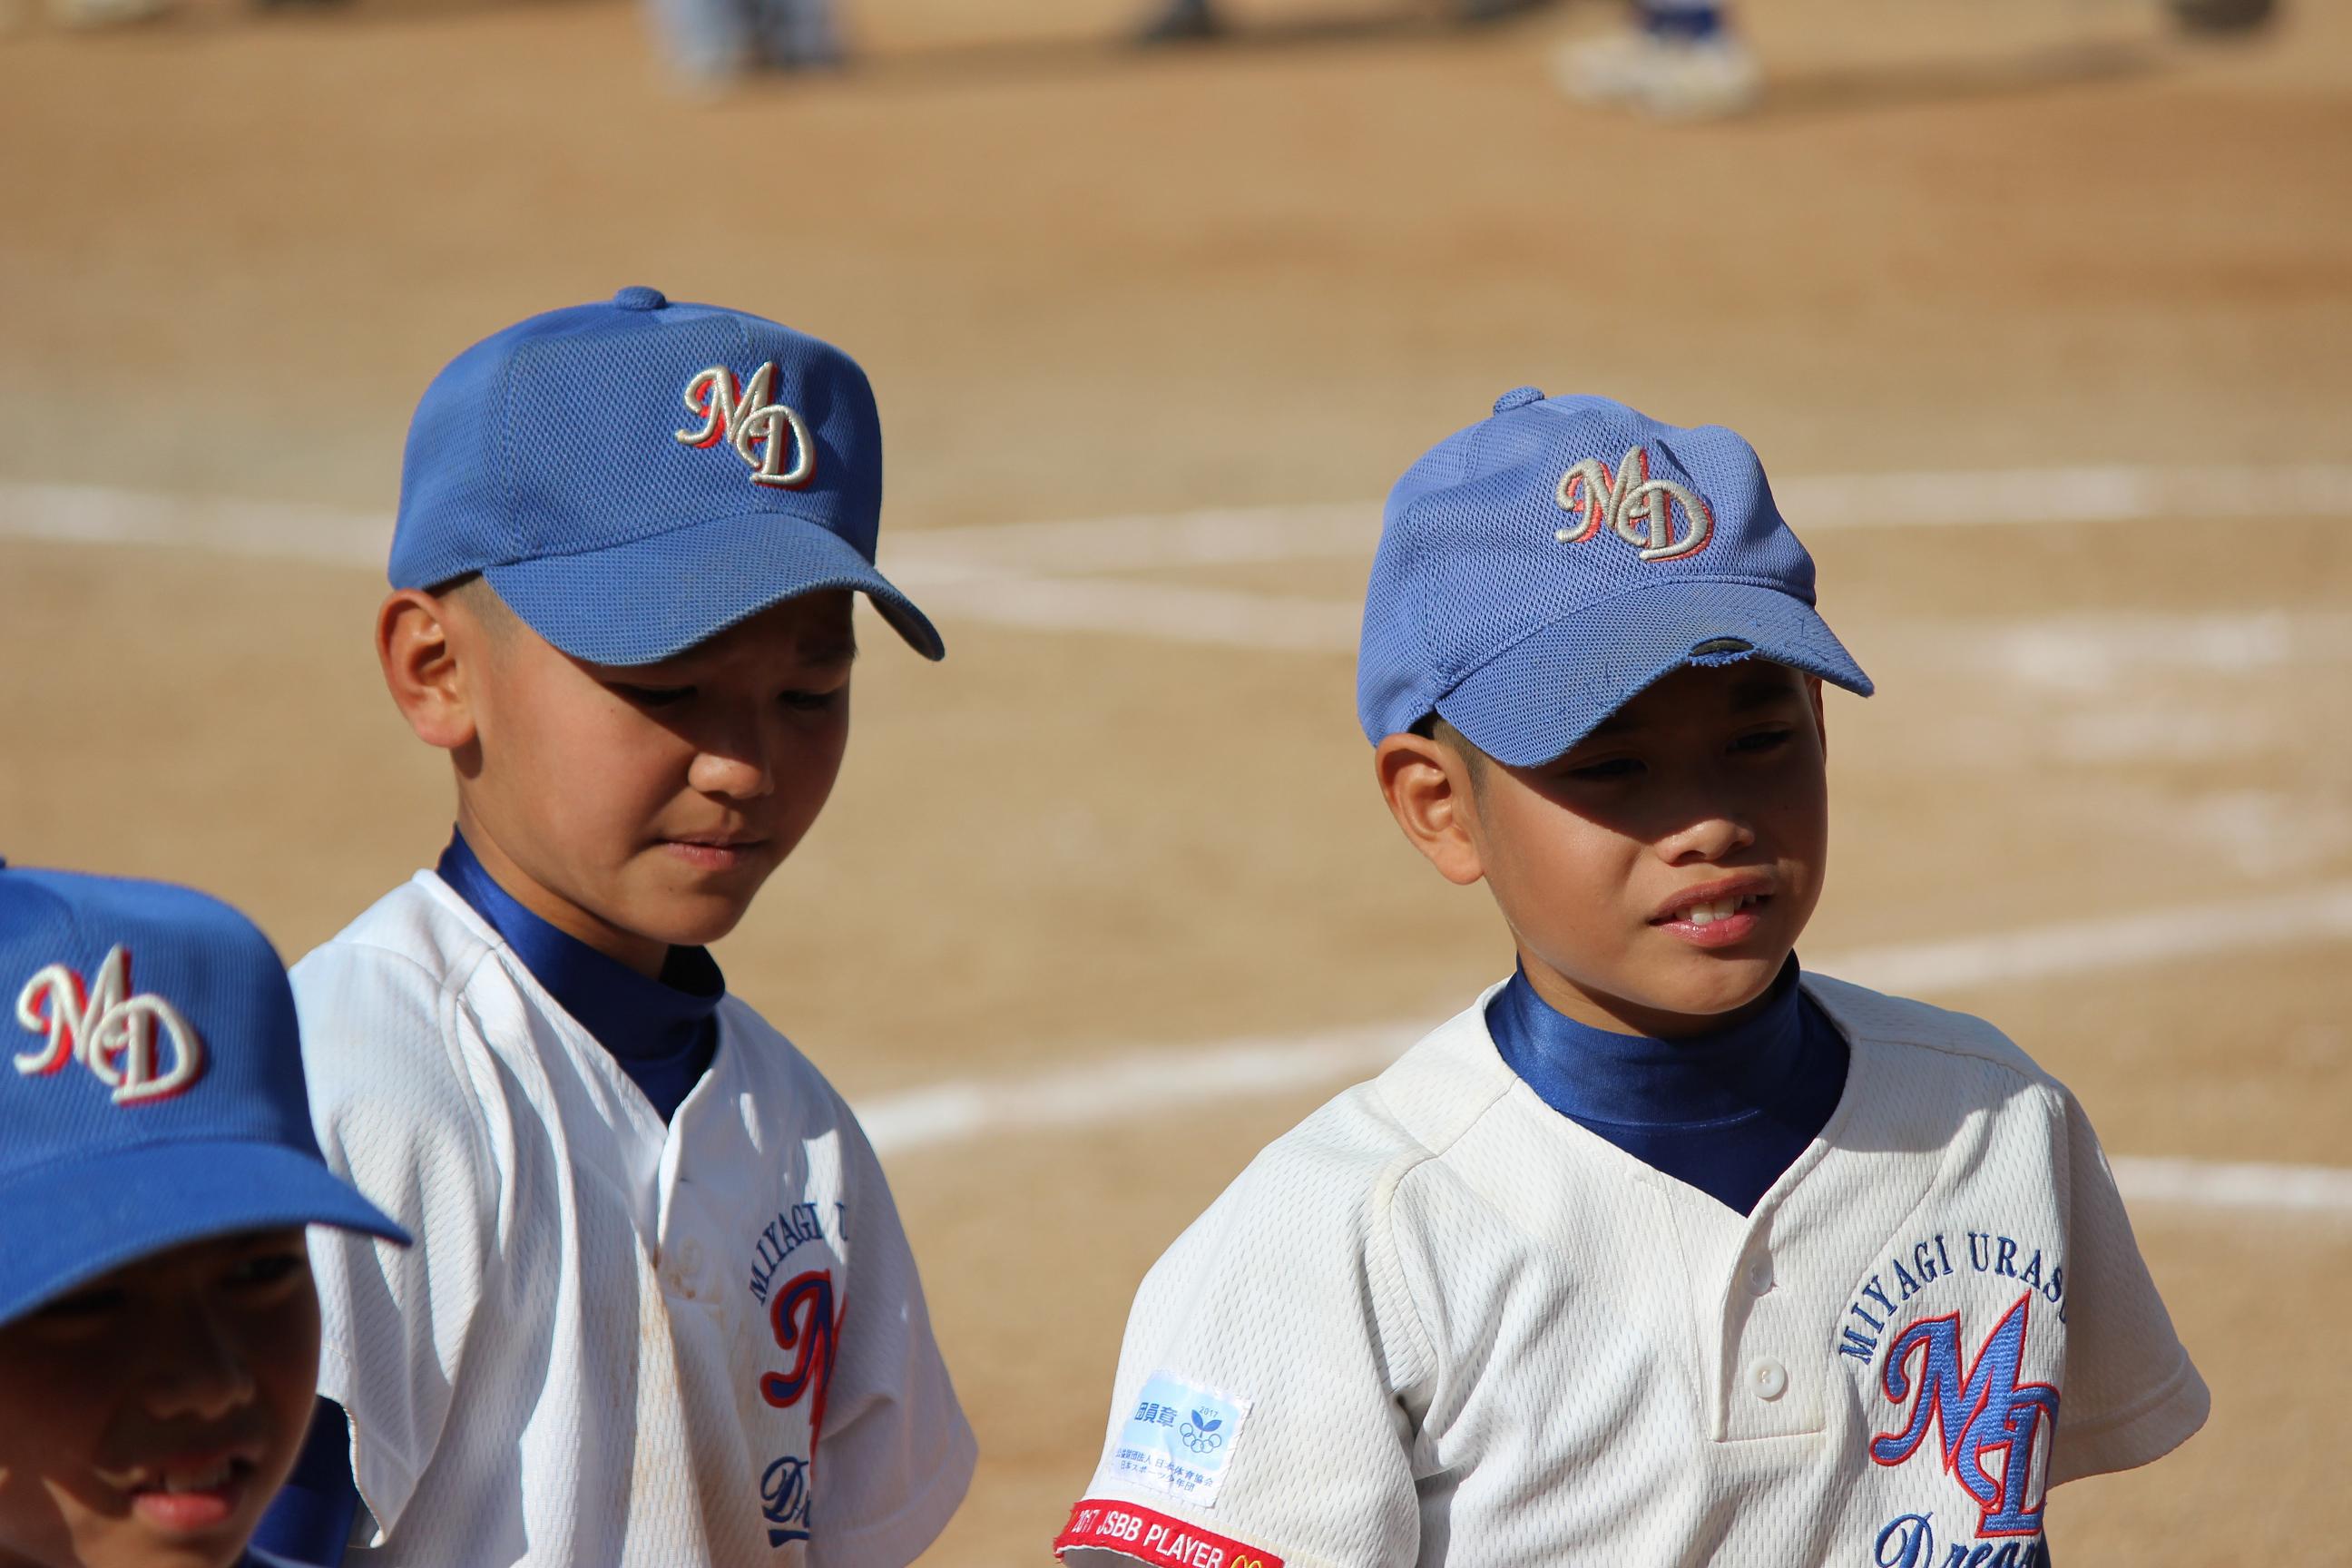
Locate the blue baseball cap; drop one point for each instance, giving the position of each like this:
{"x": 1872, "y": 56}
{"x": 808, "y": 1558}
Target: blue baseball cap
{"x": 638, "y": 476}
{"x": 1538, "y": 570}
{"x": 156, "y": 1095}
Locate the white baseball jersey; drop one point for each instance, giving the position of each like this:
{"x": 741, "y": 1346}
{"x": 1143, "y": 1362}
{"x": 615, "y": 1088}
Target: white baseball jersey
{"x": 614, "y": 1344}
{"x": 1440, "y": 1322}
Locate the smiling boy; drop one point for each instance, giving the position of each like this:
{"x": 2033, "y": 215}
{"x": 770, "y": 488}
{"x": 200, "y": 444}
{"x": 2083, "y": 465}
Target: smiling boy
{"x": 159, "y": 1334}
{"x": 661, "y": 1311}
{"x": 1663, "y": 1252}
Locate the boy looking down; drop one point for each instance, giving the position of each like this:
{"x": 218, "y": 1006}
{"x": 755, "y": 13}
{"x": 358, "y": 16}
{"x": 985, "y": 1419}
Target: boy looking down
{"x": 661, "y": 1311}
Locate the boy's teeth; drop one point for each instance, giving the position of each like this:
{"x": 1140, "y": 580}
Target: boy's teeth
{"x": 211, "y": 1476}
{"x": 1715, "y": 909}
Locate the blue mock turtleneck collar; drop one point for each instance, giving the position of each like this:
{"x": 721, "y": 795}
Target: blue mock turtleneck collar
{"x": 1596, "y": 1075}
{"x": 1726, "y": 1113}
{"x": 663, "y": 1032}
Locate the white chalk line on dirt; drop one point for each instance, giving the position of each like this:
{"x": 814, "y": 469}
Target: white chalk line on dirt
{"x": 1097, "y": 1092}
{"x": 1050, "y": 576}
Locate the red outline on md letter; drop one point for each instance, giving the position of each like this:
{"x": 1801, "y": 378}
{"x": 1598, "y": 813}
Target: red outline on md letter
{"x": 1151, "y": 1537}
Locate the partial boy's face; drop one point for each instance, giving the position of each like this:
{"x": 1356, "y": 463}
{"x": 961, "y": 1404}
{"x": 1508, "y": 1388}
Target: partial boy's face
{"x": 642, "y": 807}
{"x": 147, "y": 1420}
{"x": 1657, "y": 876}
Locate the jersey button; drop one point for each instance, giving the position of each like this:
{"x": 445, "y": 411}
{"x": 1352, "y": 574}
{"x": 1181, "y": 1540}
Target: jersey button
{"x": 1760, "y": 1275}
{"x": 1768, "y": 1378}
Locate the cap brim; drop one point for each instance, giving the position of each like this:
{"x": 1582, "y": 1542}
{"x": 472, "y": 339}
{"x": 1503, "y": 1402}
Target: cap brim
{"x": 68, "y": 1222}
{"x": 1546, "y": 693}
{"x": 652, "y": 598}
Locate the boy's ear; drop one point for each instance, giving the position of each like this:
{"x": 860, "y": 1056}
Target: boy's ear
{"x": 1429, "y": 790}
{"x": 417, "y": 645}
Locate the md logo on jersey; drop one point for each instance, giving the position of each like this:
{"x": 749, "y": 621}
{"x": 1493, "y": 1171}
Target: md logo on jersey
{"x": 140, "y": 1047}
{"x": 802, "y": 1315}
{"x": 1979, "y": 1409}
{"x": 770, "y": 435}
{"x": 1634, "y": 507}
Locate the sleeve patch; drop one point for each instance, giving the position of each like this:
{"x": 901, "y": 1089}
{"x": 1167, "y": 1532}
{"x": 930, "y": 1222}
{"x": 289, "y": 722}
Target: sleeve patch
{"x": 1148, "y": 1537}
{"x": 1178, "y": 1439}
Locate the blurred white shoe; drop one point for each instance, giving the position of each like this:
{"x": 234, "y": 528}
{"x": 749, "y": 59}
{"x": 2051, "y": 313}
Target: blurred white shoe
{"x": 1675, "y": 78}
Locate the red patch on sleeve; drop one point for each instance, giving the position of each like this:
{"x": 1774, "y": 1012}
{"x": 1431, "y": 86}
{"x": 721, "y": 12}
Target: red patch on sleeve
{"x": 1150, "y": 1537}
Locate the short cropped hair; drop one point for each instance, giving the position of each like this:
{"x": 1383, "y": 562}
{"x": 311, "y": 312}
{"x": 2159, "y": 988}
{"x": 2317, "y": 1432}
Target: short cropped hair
{"x": 474, "y": 590}
{"x": 1434, "y": 726}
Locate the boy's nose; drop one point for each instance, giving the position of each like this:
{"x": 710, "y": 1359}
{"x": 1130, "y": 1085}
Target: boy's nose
{"x": 200, "y": 1370}
{"x": 1706, "y": 839}
{"x": 736, "y": 776}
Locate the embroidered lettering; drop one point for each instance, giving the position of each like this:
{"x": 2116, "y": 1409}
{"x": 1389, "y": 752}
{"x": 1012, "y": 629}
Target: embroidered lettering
{"x": 764, "y": 433}
{"x": 1634, "y": 507}
{"x": 1979, "y": 1409}
{"x": 111, "y": 1030}
{"x": 803, "y": 1322}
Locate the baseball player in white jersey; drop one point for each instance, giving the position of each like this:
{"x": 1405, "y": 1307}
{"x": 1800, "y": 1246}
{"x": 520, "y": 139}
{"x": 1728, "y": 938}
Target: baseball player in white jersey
{"x": 660, "y": 1312}
{"x": 159, "y": 1334}
{"x": 1661, "y": 1252}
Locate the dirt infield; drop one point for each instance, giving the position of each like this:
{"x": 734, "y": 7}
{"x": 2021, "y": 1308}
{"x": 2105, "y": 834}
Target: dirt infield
{"x": 1992, "y": 236}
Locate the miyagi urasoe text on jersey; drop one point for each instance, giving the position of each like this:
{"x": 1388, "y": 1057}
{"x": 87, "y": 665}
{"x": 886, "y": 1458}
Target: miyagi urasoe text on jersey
{"x": 1907, "y": 1275}
{"x": 786, "y": 1233}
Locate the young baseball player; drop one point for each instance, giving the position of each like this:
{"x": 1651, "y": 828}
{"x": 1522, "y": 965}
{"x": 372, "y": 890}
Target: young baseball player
{"x": 660, "y": 1313}
{"x": 1665, "y": 1251}
{"x": 158, "y": 1335}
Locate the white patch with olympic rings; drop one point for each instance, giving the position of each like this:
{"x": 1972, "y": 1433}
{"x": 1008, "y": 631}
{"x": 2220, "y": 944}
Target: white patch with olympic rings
{"x": 1179, "y": 1438}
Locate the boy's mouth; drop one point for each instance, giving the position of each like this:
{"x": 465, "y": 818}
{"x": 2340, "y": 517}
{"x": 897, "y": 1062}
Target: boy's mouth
{"x": 1716, "y": 915}
{"x": 715, "y": 852}
{"x": 1715, "y": 909}
{"x": 195, "y": 1491}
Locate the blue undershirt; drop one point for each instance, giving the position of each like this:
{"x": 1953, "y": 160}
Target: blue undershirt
{"x": 1726, "y": 1113}
{"x": 662, "y": 1033}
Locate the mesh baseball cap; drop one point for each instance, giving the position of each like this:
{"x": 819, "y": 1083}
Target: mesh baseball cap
{"x": 156, "y": 1095}
{"x": 1538, "y": 570}
{"x": 636, "y": 476}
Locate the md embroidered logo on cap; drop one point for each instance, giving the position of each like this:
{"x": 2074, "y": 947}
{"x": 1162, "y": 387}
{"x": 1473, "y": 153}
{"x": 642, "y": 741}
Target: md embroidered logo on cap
{"x": 1525, "y": 629}
{"x": 108, "y": 1029}
{"x": 548, "y": 458}
{"x": 745, "y": 415}
{"x": 1636, "y": 508}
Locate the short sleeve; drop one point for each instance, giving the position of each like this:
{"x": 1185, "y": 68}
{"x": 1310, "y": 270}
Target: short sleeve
{"x": 2132, "y": 1394}
{"x": 895, "y": 1454}
{"x": 393, "y": 1117}
{"x": 1261, "y": 1408}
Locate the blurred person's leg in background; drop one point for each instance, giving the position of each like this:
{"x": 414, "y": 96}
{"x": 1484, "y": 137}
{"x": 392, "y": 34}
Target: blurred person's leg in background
{"x": 714, "y": 41}
{"x": 104, "y": 13}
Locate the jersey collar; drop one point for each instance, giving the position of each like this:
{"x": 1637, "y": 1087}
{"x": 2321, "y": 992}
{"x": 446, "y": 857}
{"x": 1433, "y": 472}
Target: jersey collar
{"x": 1635, "y": 1081}
{"x": 630, "y": 1015}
